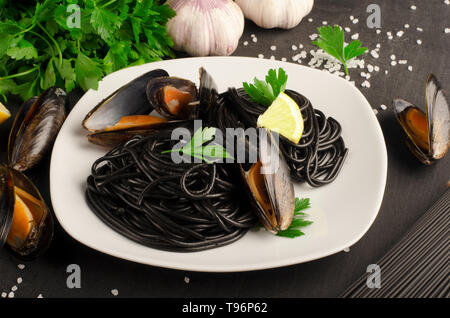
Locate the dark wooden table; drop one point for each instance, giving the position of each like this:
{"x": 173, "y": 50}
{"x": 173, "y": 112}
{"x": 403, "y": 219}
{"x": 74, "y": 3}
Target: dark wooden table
{"x": 411, "y": 187}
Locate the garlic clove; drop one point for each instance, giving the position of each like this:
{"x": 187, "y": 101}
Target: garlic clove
{"x": 203, "y": 28}
{"x": 268, "y": 14}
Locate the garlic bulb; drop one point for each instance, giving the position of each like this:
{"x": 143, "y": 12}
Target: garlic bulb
{"x": 269, "y": 14}
{"x": 206, "y": 27}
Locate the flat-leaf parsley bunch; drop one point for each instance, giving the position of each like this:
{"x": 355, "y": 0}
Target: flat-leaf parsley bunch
{"x": 42, "y": 44}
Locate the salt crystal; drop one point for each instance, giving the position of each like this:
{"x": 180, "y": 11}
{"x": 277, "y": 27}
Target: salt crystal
{"x": 11, "y": 295}
{"x": 324, "y": 22}
{"x": 255, "y": 39}
{"x": 347, "y": 29}
{"x": 300, "y": 46}
{"x": 406, "y": 26}
{"x": 19, "y": 280}
{"x": 363, "y": 74}
{"x": 410, "y": 68}
{"x": 390, "y": 37}
{"x": 272, "y": 57}
{"x": 296, "y": 57}
{"x": 40, "y": 296}
{"x": 447, "y": 2}
{"x": 376, "y": 68}
{"x": 294, "y": 47}
{"x": 389, "y": 33}
{"x": 393, "y": 63}
{"x": 370, "y": 68}
{"x": 245, "y": 43}
{"x": 346, "y": 250}
{"x": 419, "y": 29}
{"x": 374, "y": 54}
{"x": 402, "y": 61}
{"x": 4, "y": 295}
{"x": 347, "y": 77}
{"x": 261, "y": 56}
{"x": 378, "y": 45}
{"x": 355, "y": 21}
{"x": 383, "y": 107}
{"x": 413, "y": 7}
{"x": 365, "y": 84}
{"x": 400, "y": 34}
{"x": 20, "y": 266}
{"x": 368, "y": 76}
{"x": 375, "y": 111}
{"x": 392, "y": 57}
{"x": 310, "y": 20}
{"x": 14, "y": 288}
{"x": 386, "y": 72}
{"x": 447, "y": 30}
{"x": 378, "y": 31}
{"x": 313, "y": 36}
{"x": 351, "y": 17}
{"x": 115, "y": 292}
{"x": 273, "y": 48}
{"x": 355, "y": 36}
{"x": 252, "y": 35}
{"x": 283, "y": 59}
{"x": 186, "y": 280}
{"x": 419, "y": 42}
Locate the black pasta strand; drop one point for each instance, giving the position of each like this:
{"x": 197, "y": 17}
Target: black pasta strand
{"x": 140, "y": 193}
{"x": 319, "y": 156}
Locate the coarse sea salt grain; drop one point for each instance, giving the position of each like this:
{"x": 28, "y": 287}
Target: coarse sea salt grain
{"x": 4, "y": 295}
{"x": 375, "y": 111}
{"x": 261, "y": 56}
{"x": 310, "y": 20}
{"x": 40, "y": 296}
{"x": 20, "y": 266}
{"x": 365, "y": 84}
{"x": 413, "y": 7}
{"x": 347, "y": 29}
{"x": 186, "y": 280}
{"x": 245, "y": 43}
{"x": 386, "y": 72}
{"x": 11, "y": 295}
{"x": 355, "y": 36}
{"x": 383, "y": 107}
{"x": 447, "y": 30}
{"x": 419, "y": 42}
{"x": 284, "y": 59}
{"x": 370, "y": 68}
{"x": 402, "y": 61}
{"x": 419, "y": 29}
{"x": 272, "y": 58}
{"x": 114, "y": 292}
{"x": 294, "y": 47}
{"x": 374, "y": 54}
{"x": 255, "y": 39}
{"x": 324, "y": 22}
{"x": 300, "y": 46}
{"x": 378, "y": 31}
{"x": 393, "y": 63}
{"x": 447, "y": 2}
{"x": 19, "y": 280}
{"x": 313, "y": 36}
{"x": 355, "y": 21}
{"x": 346, "y": 249}
{"x": 296, "y": 57}
{"x": 406, "y": 26}
{"x": 376, "y": 68}
{"x": 400, "y": 33}
{"x": 410, "y": 68}
{"x": 14, "y": 288}
{"x": 392, "y": 57}
{"x": 273, "y": 48}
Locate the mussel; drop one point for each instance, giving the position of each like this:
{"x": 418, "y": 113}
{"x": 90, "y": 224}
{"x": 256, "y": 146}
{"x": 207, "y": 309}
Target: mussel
{"x": 427, "y": 133}
{"x": 269, "y": 186}
{"x": 35, "y": 128}
{"x": 26, "y": 225}
{"x": 172, "y": 97}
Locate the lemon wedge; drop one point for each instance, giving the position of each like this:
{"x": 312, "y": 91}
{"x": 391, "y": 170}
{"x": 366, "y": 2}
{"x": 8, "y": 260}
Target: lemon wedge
{"x": 4, "y": 113}
{"x": 283, "y": 117}
{"x": 21, "y": 225}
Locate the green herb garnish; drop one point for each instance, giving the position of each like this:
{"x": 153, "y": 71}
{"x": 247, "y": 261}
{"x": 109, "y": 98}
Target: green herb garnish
{"x": 196, "y": 149}
{"x": 298, "y": 220}
{"x": 331, "y": 40}
{"x": 265, "y": 93}
{"x": 42, "y": 44}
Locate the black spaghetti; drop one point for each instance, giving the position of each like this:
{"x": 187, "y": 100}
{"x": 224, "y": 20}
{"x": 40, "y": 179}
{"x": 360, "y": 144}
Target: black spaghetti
{"x": 185, "y": 207}
{"x": 317, "y": 159}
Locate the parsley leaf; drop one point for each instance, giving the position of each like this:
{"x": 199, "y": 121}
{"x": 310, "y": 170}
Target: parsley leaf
{"x": 298, "y": 221}
{"x": 265, "y": 92}
{"x": 331, "y": 40}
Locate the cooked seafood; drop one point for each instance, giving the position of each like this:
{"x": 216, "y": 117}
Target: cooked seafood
{"x": 26, "y": 223}
{"x": 35, "y": 128}
{"x": 427, "y": 133}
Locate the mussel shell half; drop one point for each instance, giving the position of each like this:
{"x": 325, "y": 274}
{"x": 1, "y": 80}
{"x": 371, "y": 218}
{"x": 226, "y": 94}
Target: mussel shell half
{"x": 427, "y": 133}
{"x": 38, "y": 128}
{"x": 130, "y": 99}
{"x": 41, "y": 234}
{"x": 208, "y": 94}
{"x": 155, "y": 96}
{"x": 113, "y": 138}
{"x": 277, "y": 214}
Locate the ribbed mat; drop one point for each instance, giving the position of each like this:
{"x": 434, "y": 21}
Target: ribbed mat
{"x": 418, "y": 265}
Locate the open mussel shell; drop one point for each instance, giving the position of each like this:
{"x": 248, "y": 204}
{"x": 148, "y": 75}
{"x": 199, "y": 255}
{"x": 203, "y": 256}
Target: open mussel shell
{"x": 427, "y": 132}
{"x": 269, "y": 186}
{"x": 113, "y": 138}
{"x": 130, "y": 99}
{"x": 172, "y": 97}
{"x": 35, "y": 128}
{"x": 26, "y": 225}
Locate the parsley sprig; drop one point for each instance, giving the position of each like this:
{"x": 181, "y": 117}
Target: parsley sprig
{"x": 265, "y": 92}
{"x": 196, "y": 147}
{"x": 298, "y": 221}
{"x": 331, "y": 40}
{"x": 40, "y": 47}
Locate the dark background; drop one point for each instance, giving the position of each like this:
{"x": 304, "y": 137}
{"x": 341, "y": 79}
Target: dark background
{"x": 411, "y": 187}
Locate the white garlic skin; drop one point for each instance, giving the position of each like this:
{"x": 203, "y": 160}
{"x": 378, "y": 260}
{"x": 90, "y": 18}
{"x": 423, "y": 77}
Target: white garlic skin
{"x": 206, "y": 27}
{"x": 268, "y": 14}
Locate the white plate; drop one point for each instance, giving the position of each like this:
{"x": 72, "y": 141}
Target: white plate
{"x": 342, "y": 211}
